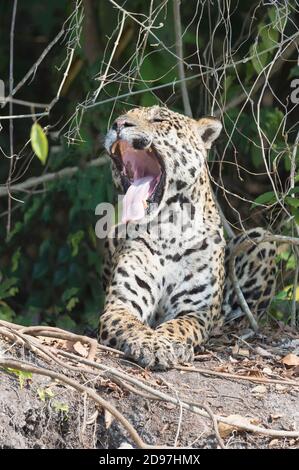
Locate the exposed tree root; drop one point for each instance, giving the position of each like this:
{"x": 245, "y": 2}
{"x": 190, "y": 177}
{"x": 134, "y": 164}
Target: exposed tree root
{"x": 30, "y": 338}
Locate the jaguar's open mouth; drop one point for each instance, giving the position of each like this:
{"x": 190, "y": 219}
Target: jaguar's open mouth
{"x": 142, "y": 176}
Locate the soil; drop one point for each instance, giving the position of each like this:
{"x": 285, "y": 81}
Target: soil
{"x": 38, "y": 412}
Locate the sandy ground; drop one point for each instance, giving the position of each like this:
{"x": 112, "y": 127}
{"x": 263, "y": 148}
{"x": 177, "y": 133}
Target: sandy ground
{"x": 38, "y": 412}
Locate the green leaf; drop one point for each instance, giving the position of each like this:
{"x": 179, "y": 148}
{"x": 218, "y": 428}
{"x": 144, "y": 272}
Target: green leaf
{"x": 39, "y": 142}
{"x": 59, "y": 406}
{"x": 294, "y": 190}
{"x": 258, "y": 61}
{"x": 66, "y": 323}
{"x": 296, "y": 216}
{"x": 17, "y": 228}
{"x": 6, "y": 312}
{"x": 45, "y": 393}
{"x": 32, "y": 209}
{"x": 69, "y": 293}
{"x": 40, "y": 269}
{"x": 72, "y": 303}
{"x": 8, "y": 288}
{"x": 268, "y": 197}
{"x": 75, "y": 239}
{"x": 22, "y": 375}
{"x": 292, "y": 201}
{"x": 15, "y": 260}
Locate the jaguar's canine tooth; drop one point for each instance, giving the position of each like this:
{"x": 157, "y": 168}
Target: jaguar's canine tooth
{"x": 148, "y": 147}
{"x": 113, "y": 147}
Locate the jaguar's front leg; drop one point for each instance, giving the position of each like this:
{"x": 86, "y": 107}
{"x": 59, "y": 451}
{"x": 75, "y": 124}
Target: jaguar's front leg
{"x": 121, "y": 329}
{"x": 185, "y": 334}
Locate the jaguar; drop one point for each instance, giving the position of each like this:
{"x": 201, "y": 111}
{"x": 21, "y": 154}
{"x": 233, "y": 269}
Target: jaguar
{"x": 166, "y": 261}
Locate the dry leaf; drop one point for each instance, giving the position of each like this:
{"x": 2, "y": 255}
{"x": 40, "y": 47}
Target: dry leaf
{"x": 224, "y": 368}
{"x": 92, "y": 418}
{"x": 291, "y": 360}
{"x": 240, "y": 351}
{"x": 273, "y": 443}
{"x": 243, "y": 352}
{"x": 267, "y": 371}
{"x": 233, "y": 360}
{"x": 281, "y": 388}
{"x": 80, "y": 349}
{"x": 263, "y": 352}
{"x": 108, "y": 419}
{"x": 276, "y": 416}
{"x": 170, "y": 406}
{"x": 125, "y": 445}
{"x": 259, "y": 389}
{"x": 226, "y": 429}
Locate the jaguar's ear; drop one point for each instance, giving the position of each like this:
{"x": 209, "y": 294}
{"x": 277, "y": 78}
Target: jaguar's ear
{"x": 208, "y": 129}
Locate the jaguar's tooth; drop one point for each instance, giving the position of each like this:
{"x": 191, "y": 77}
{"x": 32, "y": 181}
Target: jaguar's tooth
{"x": 113, "y": 147}
{"x": 148, "y": 147}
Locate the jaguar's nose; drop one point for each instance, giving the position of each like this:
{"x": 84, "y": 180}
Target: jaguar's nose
{"x": 122, "y": 122}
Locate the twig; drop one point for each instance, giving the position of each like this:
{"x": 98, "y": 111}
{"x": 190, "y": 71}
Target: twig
{"x": 54, "y": 101}
{"x": 237, "y": 100}
{"x": 153, "y": 394}
{"x": 146, "y": 28}
{"x": 104, "y": 76}
{"x": 11, "y": 126}
{"x": 68, "y": 171}
{"x": 179, "y": 51}
{"x": 191, "y": 77}
{"x": 296, "y": 250}
{"x": 45, "y": 52}
{"x": 237, "y": 288}
{"x": 186, "y": 404}
{"x": 29, "y": 104}
{"x": 232, "y": 273}
{"x": 237, "y": 376}
{"x": 209, "y": 411}
{"x": 24, "y": 116}
{"x": 294, "y": 297}
{"x": 52, "y": 332}
{"x": 26, "y": 367}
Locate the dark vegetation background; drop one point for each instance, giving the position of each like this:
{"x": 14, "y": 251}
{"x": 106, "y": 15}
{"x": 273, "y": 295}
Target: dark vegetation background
{"x": 50, "y": 259}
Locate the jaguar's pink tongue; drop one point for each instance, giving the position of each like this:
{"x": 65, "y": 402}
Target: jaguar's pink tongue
{"x": 134, "y": 202}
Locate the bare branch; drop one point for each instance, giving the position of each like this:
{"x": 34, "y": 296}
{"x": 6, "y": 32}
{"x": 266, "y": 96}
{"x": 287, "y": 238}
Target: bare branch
{"x": 11, "y": 127}
{"x": 179, "y": 51}
{"x": 241, "y": 247}
{"x": 104, "y": 76}
{"x": 35, "y": 181}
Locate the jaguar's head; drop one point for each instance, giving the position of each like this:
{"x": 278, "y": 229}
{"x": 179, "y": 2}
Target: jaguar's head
{"x": 156, "y": 153}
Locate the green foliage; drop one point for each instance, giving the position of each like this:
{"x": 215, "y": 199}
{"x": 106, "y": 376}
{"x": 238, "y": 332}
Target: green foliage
{"x": 23, "y": 376}
{"x": 50, "y": 262}
{"x": 60, "y": 406}
{"x": 45, "y": 393}
{"x": 39, "y": 142}
{"x": 58, "y": 260}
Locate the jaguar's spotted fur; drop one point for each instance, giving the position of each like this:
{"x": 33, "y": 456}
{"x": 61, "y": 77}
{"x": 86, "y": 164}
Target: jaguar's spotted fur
{"x": 165, "y": 293}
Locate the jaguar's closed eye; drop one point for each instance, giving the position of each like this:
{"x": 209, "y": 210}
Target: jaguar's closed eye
{"x": 158, "y": 120}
